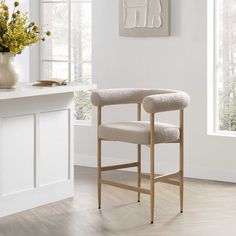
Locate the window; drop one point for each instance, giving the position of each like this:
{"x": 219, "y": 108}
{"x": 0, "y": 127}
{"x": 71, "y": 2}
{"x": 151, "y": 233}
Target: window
{"x": 222, "y": 48}
{"x": 67, "y": 53}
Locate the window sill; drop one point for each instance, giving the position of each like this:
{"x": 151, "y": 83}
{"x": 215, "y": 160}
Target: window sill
{"x": 230, "y": 134}
{"x": 83, "y": 123}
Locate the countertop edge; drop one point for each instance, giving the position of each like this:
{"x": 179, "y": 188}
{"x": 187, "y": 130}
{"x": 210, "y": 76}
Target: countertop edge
{"x": 27, "y": 90}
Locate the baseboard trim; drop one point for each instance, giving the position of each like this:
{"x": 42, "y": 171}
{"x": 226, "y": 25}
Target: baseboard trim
{"x": 196, "y": 172}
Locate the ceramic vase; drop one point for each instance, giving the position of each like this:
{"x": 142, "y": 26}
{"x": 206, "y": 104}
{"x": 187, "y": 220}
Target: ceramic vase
{"x": 9, "y": 76}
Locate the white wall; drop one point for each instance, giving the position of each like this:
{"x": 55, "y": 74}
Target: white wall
{"x": 22, "y": 60}
{"x": 28, "y": 61}
{"x": 178, "y": 62}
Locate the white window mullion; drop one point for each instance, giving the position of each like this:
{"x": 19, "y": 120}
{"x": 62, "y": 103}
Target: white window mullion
{"x": 69, "y": 40}
{"x": 215, "y": 84}
{"x": 41, "y": 43}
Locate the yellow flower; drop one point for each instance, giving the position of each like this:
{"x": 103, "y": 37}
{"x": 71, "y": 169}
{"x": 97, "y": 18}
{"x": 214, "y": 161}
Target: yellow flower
{"x": 6, "y": 14}
{"x": 5, "y": 7}
{"x": 35, "y": 28}
{"x": 14, "y": 15}
{"x": 16, "y": 3}
{"x": 3, "y": 26}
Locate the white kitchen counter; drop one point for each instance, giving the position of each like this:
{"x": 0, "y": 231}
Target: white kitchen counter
{"x": 27, "y": 90}
{"x": 36, "y": 146}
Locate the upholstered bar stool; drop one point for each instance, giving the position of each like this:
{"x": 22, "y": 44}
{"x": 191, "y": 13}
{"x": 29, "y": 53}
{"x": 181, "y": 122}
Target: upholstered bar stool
{"x": 142, "y": 133}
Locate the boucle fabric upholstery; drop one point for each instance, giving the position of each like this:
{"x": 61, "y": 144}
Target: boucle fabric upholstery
{"x": 105, "y": 97}
{"x": 166, "y": 102}
{"x": 154, "y": 100}
{"x": 138, "y": 132}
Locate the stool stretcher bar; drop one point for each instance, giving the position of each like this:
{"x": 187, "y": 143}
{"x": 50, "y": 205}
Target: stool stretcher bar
{"x": 165, "y": 178}
{"x": 168, "y": 181}
{"x": 168, "y": 176}
{"x": 116, "y": 167}
{"x": 124, "y": 186}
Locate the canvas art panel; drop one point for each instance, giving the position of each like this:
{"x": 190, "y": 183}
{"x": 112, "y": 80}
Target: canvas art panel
{"x": 144, "y": 18}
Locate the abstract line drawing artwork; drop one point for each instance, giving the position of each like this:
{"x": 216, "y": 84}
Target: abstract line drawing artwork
{"x": 144, "y": 18}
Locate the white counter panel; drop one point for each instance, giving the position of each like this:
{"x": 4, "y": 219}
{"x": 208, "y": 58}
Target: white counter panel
{"x": 16, "y": 154}
{"x": 54, "y": 163}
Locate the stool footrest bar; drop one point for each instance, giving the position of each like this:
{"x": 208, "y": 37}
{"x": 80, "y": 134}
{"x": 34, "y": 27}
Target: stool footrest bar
{"x": 168, "y": 181}
{"x": 116, "y": 167}
{"x": 124, "y": 186}
{"x": 168, "y": 176}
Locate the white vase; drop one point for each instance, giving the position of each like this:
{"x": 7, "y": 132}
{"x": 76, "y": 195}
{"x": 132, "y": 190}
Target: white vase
{"x": 9, "y": 75}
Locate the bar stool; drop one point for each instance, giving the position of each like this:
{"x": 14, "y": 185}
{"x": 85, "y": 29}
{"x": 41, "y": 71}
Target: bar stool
{"x": 142, "y": 133}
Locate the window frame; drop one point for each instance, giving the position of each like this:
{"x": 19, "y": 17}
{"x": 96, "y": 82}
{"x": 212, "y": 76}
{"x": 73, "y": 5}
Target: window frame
{"x": 69, "y": 61}
{"x": 212, "y": 83}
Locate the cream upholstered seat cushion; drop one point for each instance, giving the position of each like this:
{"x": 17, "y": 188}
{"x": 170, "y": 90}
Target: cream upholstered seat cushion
{"x": 138, "y": 132}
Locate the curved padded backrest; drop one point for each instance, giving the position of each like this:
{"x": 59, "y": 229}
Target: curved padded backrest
{"x": 154, "y": 100}
{"x": 106, "y": 97}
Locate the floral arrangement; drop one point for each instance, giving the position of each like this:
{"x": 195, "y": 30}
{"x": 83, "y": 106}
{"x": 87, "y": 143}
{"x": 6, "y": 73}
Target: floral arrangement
{"x": 16, "y": 32}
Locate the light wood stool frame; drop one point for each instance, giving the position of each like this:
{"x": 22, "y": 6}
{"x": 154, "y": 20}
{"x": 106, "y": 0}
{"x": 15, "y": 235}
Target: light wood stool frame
{"x": 153, "y": 179}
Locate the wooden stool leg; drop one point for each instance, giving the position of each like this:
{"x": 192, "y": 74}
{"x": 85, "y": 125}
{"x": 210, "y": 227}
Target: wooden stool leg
{"x": 181, "y": 186}
{"x": 152, "y": 167}
{"x": 181, "y": 162}
{"x": 181, "y": 189}
{"x": 99, "y": 174}
{"x": 139, "y": 169}
{"x": 99, "y": 156}
{"x": 139, "y": 114}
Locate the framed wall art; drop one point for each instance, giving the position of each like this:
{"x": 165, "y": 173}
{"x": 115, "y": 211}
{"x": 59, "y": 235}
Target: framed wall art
{"x": 144, "y": 18}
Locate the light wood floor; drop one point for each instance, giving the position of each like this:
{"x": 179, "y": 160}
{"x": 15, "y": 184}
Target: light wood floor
{"x": 210, "y": 209}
